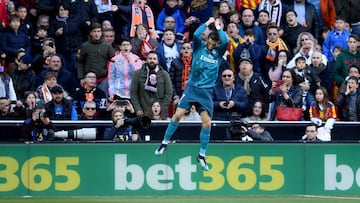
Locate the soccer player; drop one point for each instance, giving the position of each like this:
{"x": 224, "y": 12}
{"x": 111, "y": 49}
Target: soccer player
{"x": 198, "y": 91}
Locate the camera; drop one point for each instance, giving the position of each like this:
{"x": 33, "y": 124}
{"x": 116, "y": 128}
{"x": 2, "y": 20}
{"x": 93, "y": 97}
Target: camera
{"x": 51, "y": 44}
{"x": 138, "y": 122}
{"x": 121, "y": 103}
{"x": 42, "y": 115}
{"x": 226, "y": 103}
{"x": 79, "y": 134}
{"x": 235, "y": 128}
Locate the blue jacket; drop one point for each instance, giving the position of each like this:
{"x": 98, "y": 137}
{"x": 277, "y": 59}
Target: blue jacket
{"x": 238, "y": 96}
{"x": 334, "y": 39}
{"x": 11, "y": 42}
{"x": 179, "y": 19}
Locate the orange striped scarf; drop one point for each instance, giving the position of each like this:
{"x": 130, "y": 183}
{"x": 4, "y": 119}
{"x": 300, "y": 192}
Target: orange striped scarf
{"x": 186, "y": 70}
{"x": 271, "y": 53}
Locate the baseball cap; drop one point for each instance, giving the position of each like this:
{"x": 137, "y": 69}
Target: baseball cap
{"x": 57, "y": 89}
{"x": 26, "y": 59}
{"x": 245, "y": 59}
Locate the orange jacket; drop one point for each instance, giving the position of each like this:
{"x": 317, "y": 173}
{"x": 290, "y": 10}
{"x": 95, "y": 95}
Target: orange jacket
{"x": 328, "y": 12}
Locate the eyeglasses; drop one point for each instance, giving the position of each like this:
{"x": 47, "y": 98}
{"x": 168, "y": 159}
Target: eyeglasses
{"x": 229, "y": 76}
{"x": 272, "y": 33}
{"x": 168, "y": 21}
{"x": 186, "y": 47}
{"x": 90, "y": 109}
{"x": 310, "y": 131}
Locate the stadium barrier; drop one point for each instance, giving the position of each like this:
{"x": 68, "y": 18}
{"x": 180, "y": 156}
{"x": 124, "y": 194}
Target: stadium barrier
{"x": 89, "y": 169}
{"x": 189, "y": 131}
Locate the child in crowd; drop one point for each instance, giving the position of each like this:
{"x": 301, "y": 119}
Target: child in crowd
{"x": 336, "y": 37}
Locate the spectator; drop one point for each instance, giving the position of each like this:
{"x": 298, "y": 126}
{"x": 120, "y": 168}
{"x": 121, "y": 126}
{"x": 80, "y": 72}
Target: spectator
{"x": 256, "y": 88}
{"x": 155, "y": 112}
{"x": 39, "y": 127}
{"x": 23, "y": 77}
{"x": 150, "y": 82}
{"x": 248, "y": 49}
{"x": 353, "y": 71}
{"x": 50, "y": 81}
{"x": 347, "y": 58}
{"x": 89, "y": 111}
{"x": 307, "y": 16}
{"x": 276, "y": 69}
{"x": 292, "y": 30}
{"x": 65, "y": 78}
{"x": 321, "y": 70}
{"x": 120, "y": 132}
{"x": 348, "y": 102}
{"x": 258, "y": 132}
{"x": 25, "y": 24}
{"x": 168, "y": 49}
{"x": 7, "y": 89}
{"x": 257, "y": 112}
{"x": 276, "y": 10}
{"x": 171, "y": 8}
{"x": 223, "y": 10}
{"x": 6, "y": 112}
{"x": 169, "y": 24}
{"x": 146, "y": 16}
{"x": 234, "y": 41}
{"x": 201, "y": 11}
{"x": 247, "y": 21}
{"x": 349, "y": 10}
{"x": 94, "y": 56}
{"x": 273, "y": 45}
{"x": 263, "y": 21}
{"x": 89, "y": 92}
{"x": 311, "y": 134}
{"x": 121, "y": 70}
{"x": 60, "y": 108}
{"x": 123, "y": 105}
{"x": 65, "y": 30}
{"x": 228, "y": 97}
{"x": 13, "y": 38}
{"x": 86, "y": 12}
{"x": 289, "y": 95}
{"x": 36, "y": 40}
{"x": 41, "y": 59}
{"x": 336, "y": 37}
{"x": 180, "y": 69}
{"x": 306, "y": 50}
{"x": 26, "y": 106}
{"x": 109, "y": 36}
{"x": 323, "y": 110}
{"x": 142, "y": 43}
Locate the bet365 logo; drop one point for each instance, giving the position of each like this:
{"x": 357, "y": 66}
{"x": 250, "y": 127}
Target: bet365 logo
{"x": 341, "y": 177}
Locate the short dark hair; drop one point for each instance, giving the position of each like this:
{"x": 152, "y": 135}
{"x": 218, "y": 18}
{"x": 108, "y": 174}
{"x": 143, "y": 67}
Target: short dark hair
{"x": 250, "y": 32}
{"x": 291, "y": 11}
{"x": 300, "y": 58}
{"x": 354, "y": 66}
{"x": 95, "y": 26}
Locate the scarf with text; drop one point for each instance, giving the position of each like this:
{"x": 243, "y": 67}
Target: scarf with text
{"x": 151, "y": 80}
{"x": 186, "y": 70}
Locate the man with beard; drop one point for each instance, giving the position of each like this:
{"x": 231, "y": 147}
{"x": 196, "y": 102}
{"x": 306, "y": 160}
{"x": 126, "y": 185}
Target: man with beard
{"x": 149, "y": 83}
{"x": 60, "y": 108}
{"x": 198, "y": 91}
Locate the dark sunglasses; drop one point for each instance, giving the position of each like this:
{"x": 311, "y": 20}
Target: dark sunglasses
{"x": 224, "y": 76}
{"x": 92, "y": 109}
{"x": 272, "y": 33}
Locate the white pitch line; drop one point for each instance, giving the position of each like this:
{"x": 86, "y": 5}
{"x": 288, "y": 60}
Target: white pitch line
{"x": 332, "y": 197}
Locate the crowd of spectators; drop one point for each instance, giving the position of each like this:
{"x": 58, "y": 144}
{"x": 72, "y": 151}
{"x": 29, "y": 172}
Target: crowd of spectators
{"x": 61, "y": 54}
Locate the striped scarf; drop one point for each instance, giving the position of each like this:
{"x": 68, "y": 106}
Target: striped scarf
{"x": 279, "y": 45}
{"x": 186, "y": 70}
